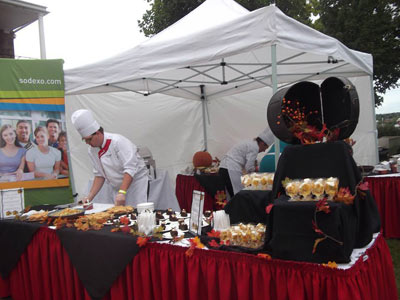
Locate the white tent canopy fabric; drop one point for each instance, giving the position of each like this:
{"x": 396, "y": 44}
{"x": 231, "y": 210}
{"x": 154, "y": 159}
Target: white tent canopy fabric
{"x": 226, "y": 59}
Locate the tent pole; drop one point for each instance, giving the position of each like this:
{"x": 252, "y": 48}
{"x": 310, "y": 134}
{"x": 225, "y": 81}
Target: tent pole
{"x": 274, "y": 90}
{"x": 374, "y": 118}
{"x": 203, "y": 105}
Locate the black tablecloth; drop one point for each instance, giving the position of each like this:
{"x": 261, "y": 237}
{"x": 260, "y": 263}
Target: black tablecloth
{"x": 291, "y": 235}
{"x": 98, "y": 256}
{"x": 248, "y": 207}
{"x": 315, "y": 161}
{"x": 212, "y": 183}
{"x": 15, "y": 236}
{"x": 290, "y": 226}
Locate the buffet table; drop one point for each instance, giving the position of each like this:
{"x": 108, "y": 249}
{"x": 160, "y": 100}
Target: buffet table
{"x": 386, "y": 191}
{"x": 163, "y": 271}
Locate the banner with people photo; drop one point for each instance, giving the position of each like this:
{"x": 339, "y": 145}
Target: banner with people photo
{"x": 33, "y": 142}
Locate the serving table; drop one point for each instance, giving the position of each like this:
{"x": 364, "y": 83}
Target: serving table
{"x": 163, "y": 271}
{"x": 386, "y": 191}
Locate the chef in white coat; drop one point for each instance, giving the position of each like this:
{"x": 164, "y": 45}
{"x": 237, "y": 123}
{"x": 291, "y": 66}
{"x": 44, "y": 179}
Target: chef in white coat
{"x": 115, "y": 161}
{"x": 241, "y": 159}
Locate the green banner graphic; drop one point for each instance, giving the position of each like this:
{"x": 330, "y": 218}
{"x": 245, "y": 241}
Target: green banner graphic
{"x": 31, "y": 78}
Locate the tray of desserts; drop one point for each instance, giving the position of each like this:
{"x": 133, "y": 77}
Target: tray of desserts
{"x": 67, "y": 213}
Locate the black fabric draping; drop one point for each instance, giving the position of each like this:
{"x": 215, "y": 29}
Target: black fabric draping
{"x": 315, "y": 161}
{"x": 212, "y": 183}
{"x": 291, "y": 235}
{"x": 331, "y": 159}
{"x": 14, "y": 237}
{"x": 248, "y": 207}
{"x": 98, "y": 256}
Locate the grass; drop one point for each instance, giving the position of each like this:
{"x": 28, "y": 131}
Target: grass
{"x": 394, "y": 247}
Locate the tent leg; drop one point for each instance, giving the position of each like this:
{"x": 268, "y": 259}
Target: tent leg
{"x": 203, "y": 105}
{"x": 274, "y": 78}
{"x": 374, "y": 118}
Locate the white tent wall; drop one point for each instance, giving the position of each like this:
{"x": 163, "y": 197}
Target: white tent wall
{"x": 230, "y": 55}
{"x": 365, "y": 135}
{"x": 171, "y": 127}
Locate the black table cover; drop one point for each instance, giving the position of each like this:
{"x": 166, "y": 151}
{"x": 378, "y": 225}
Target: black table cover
{"x": 212, "y": 183}
{"x": 290, "y": 222}
{"x": 98, "y": 256}
{"x": 248, "y": 207}
{"x": 315, "y": 161}
{"x": 15, "y": 236}
{"x": 291, "y": 235}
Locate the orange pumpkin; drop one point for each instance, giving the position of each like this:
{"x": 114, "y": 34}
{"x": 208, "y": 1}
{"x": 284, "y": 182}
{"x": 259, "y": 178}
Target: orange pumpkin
{"x": 202, "y": 159}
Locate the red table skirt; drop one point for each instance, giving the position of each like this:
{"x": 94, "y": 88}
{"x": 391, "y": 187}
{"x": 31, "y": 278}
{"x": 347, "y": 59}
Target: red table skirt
{"x": 386, "y": 192}
{"x": 185, "y": 185}
{"x": 165, "y": 272}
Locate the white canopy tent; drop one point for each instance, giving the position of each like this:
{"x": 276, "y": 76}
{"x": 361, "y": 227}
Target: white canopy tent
{"x": 220, "y": 63}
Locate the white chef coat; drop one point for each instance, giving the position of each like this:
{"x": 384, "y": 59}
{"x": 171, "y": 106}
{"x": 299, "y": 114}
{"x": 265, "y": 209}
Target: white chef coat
{"x": 120, "y": 156}
{"x": 240, "y": 157}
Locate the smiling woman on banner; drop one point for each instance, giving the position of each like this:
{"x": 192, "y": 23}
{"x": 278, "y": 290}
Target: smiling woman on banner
{"x": 12, "y": 154}
{"x": 43, "y": 159}
{"x": 116, "y": 161}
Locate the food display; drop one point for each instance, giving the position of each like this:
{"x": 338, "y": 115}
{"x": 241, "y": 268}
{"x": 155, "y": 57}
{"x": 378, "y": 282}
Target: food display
{"x": 244, "y": 235}
{"x": 119, "y": 210}
{"x": 258, "y": 181}
{"x": 38, "y": 216}
{"x": 66, "y": 213}
{"x": 311, "y": 189}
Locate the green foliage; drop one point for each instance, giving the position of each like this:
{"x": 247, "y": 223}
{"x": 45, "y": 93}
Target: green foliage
{"x": 385, "y": 124}
{"x": 369, "y": 26}
{"x": 388, "y": 130}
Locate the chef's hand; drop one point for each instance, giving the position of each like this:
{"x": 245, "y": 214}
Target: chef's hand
{"x": 120, "y": 199}
{"x": 85, "y": 200}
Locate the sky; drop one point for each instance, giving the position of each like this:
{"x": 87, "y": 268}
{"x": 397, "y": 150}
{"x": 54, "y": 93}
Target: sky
{"x": 85, "y": 31}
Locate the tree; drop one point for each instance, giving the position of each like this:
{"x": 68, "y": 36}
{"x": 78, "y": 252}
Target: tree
{"x": 369, "y": 26}
{"x": 164, "y": 13}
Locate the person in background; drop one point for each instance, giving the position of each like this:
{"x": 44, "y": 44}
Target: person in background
{"x": 43, "y": 160}
{"x": 62, "y": 146}
{"x": 12, "y": 154}
{"x": 115, "y": 160}
{"x": 23, "y": 134}
{"x": 241, "y": 158}
{"x": 267, "y": 163}
{"x": 53, "y": 128}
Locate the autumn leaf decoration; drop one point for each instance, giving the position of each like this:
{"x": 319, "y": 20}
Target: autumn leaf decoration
{"x": 331, "y": 264}
{"x": 194, "y": 243}
{"x": 213, "y": 233}
{"x": 362, "y": 189}
{"x": 344, "y": 196}
{"x": 265, "y": 256}
{"x": 298, "y": 120}
{"x": 321, "y": 206}
{"x": 142, "y": 241}
{"x": 213, "y": 244}
{"x": 220, "y": 198}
